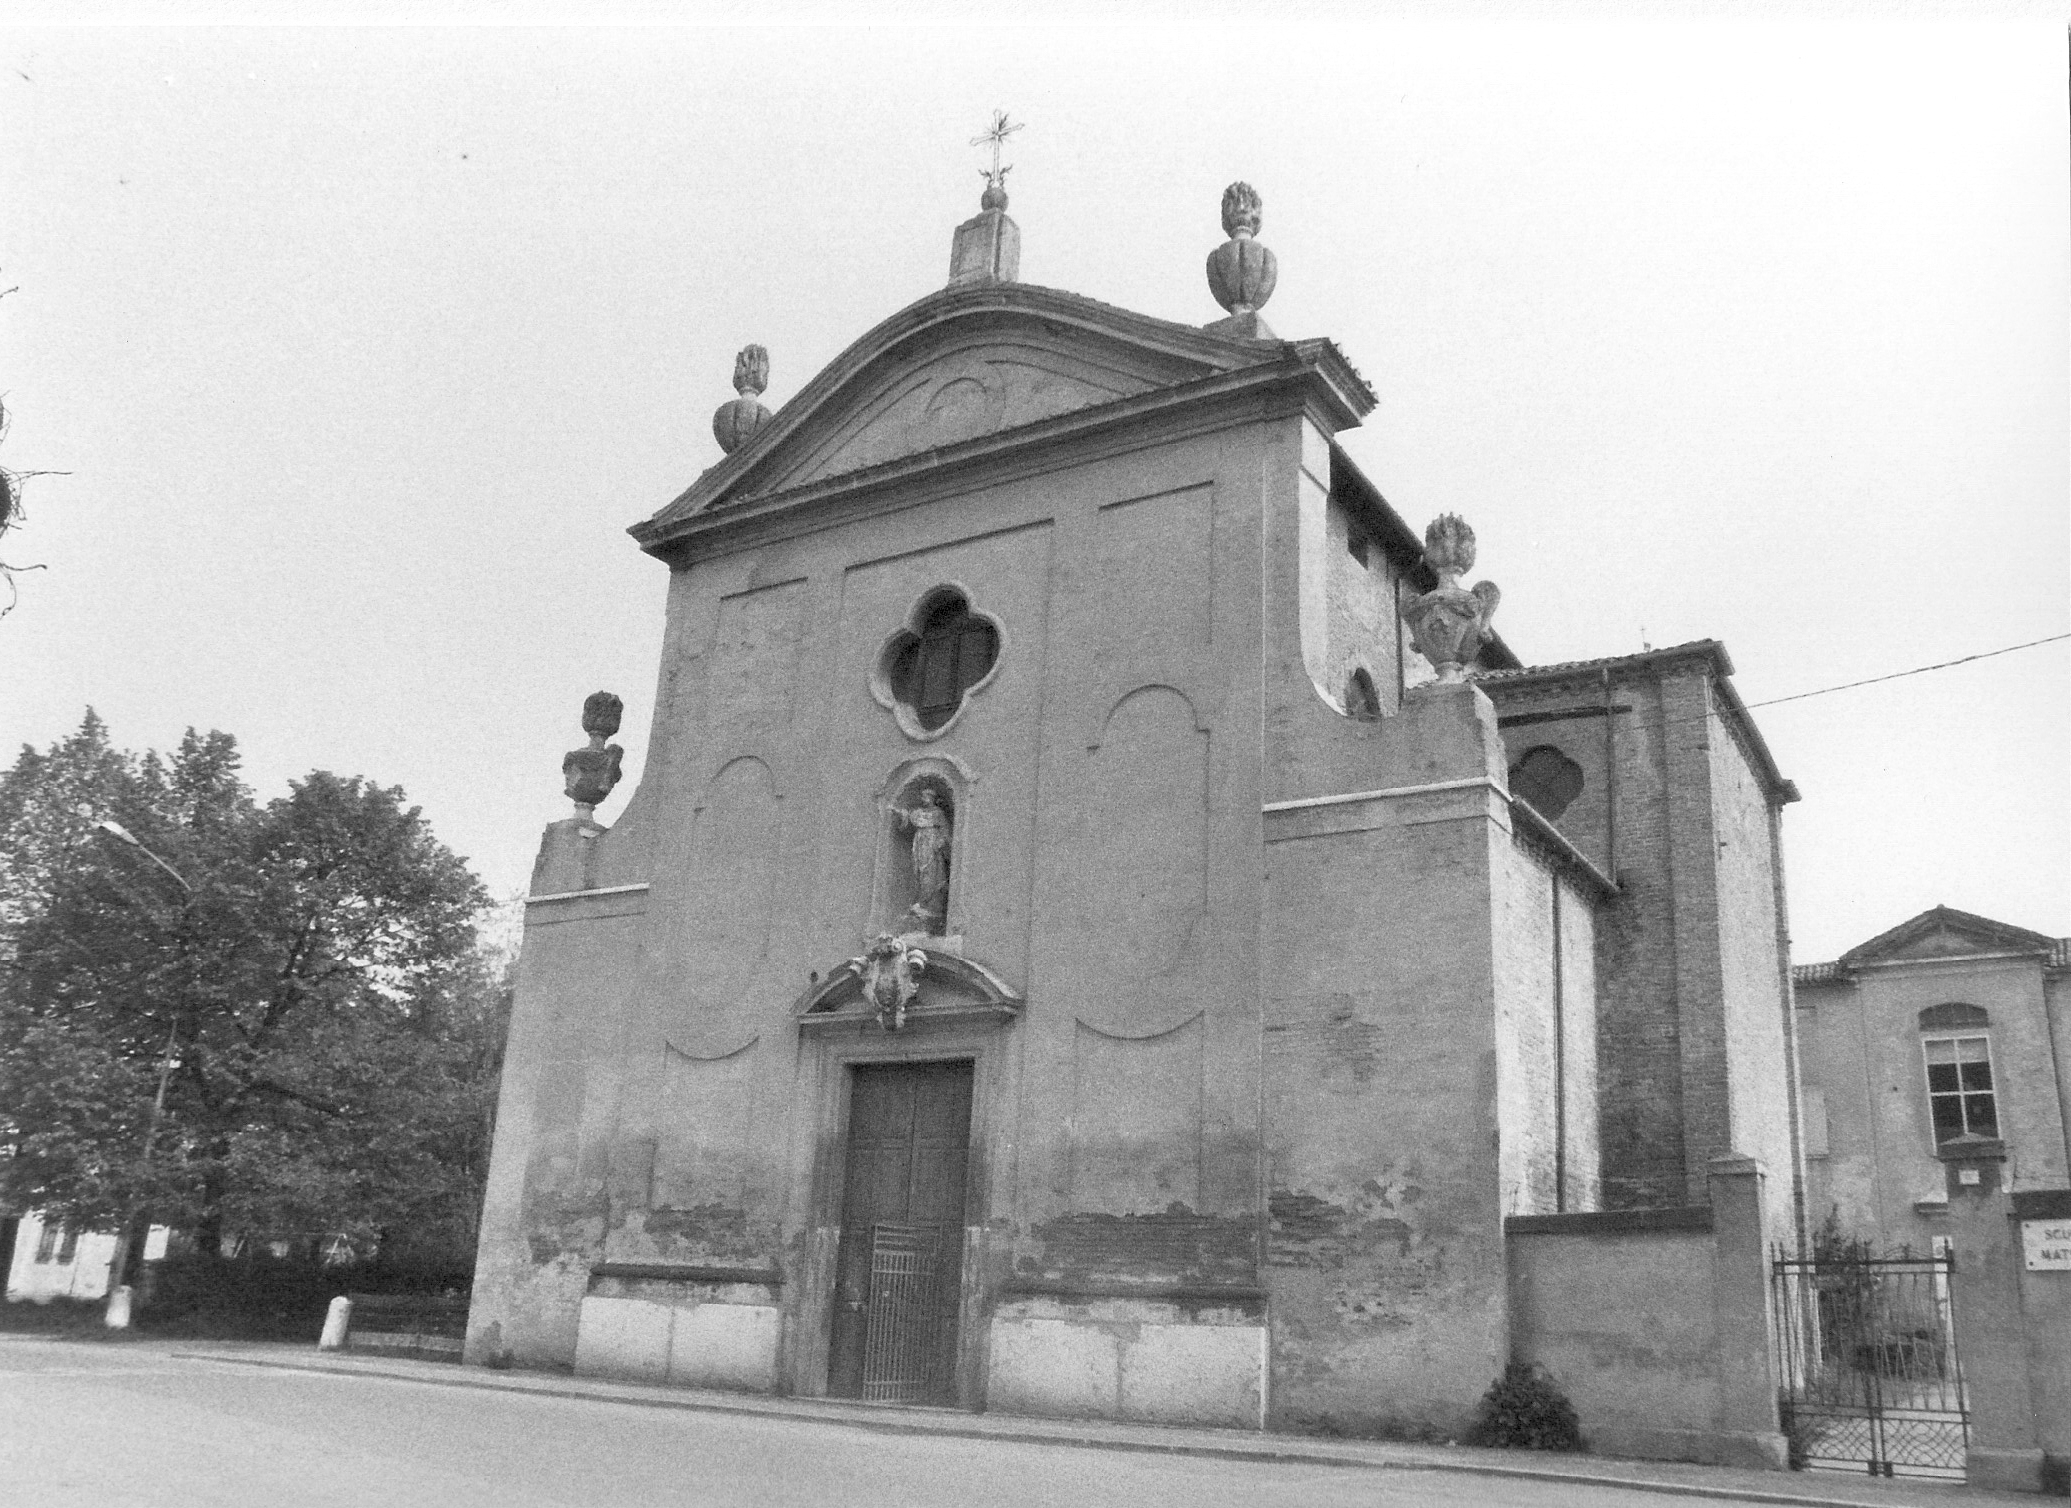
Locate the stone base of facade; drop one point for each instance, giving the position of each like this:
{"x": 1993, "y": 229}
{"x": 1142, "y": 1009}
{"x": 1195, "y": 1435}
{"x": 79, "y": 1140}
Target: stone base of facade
{"x": 1127, "y": 1359}
{"x": 2007, "y": 1470}
{"x": 696, "y": 1344}
{"x": 1758, "y": 1451}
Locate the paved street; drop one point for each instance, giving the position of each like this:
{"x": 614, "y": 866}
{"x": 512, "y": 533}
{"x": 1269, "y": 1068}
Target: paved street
{"x": 102, "y": 1426}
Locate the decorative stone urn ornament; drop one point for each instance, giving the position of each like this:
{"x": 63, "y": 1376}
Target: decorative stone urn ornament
{"x": 736, "y": 422}
{"x": 889, "y": 969}
{"x": 1241, "y": 272}
{"x": 588, "y": 774}
{"x": 1449, "y": 622}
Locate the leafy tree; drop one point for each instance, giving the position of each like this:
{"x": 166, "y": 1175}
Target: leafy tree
{"x": 332, "y": 1030}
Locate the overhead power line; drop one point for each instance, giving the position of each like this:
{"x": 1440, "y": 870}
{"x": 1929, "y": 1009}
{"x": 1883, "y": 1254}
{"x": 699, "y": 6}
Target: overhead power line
{"x": 1916, "y": 670}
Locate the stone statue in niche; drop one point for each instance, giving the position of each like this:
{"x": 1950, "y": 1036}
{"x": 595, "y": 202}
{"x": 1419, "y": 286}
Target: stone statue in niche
{"x": 888, "y": 969}
{"x": 589, "y": 774}
{"x": 931, "y": 828}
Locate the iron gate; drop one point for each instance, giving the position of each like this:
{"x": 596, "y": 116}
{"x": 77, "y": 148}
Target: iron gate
{"x": 1871, "y": 1379}
{"x": 903, "y": 1342}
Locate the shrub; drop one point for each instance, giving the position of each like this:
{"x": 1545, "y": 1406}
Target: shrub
{"x": 1523, "y": 1410}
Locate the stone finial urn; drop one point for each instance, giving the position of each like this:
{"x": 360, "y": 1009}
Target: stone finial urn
{"x": 737, "y": 420}
{"x": 1449, "y": 622}
{"x": 588, "y": 774}
{"x": 1241, "y": 272}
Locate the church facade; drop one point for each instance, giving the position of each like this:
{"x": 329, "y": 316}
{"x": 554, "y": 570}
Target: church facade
{"x": 1106, "y": 926}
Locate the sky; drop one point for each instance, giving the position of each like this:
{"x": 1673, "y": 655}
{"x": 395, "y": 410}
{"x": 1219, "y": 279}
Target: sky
{"x": 361, "y": 346}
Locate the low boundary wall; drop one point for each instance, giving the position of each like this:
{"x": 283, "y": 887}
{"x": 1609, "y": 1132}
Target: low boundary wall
{"x": 1656, "y": 1323}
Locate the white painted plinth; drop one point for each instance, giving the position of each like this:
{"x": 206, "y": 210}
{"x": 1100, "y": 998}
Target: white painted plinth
{"x": 696, "y": 1345}
{"x": 1202, "y": 1374}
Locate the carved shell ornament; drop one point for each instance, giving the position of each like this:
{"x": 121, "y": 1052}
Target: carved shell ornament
{"x": 889, "y": 970}
{"x": 1449, "y": 622}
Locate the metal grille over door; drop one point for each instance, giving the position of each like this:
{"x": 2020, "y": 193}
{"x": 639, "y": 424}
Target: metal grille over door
{"x": 902, "y": 1346}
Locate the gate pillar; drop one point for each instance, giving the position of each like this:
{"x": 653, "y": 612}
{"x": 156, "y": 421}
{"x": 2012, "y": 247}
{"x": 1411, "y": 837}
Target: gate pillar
{"x": 1986, "y": 1288}
{"x": 1749, "y": 1431}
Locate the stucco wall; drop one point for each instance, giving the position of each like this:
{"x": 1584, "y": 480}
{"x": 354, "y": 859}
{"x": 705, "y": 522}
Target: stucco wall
{"x": 1624, "y": 1322}
{"x": 1410, "y": 1009}
{"x": 670, "y": 1110}
{"x": 1656, "y": 1324}
{"x": 1761, "y": 1104}
{"x": 1545, "y": 1001}
{"x": 1382, "y": 1081}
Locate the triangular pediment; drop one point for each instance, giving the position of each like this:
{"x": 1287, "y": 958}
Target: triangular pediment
{"x": 975, "y": 367}
{"x": 988, "y": 381}
{"x": 1945, "y": 932}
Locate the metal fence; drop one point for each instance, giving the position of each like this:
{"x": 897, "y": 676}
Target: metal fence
{"x": 903, "y": 1343}
{"x": 1871, "y": 1377}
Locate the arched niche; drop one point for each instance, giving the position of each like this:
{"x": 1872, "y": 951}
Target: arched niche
{"x": 895, "y": 889}
{"x": 1362, "y": 699}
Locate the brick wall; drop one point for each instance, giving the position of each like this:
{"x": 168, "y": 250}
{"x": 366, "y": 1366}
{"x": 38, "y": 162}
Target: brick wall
{"x": 1639, "y": 1031}
{"x": 1693, "y": 1043}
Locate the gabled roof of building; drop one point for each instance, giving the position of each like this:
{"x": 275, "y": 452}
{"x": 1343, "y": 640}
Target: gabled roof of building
{"x": 1938, "y": 933}
{"x": 1708, "y": 651}
{"x": 1151, "y": 363}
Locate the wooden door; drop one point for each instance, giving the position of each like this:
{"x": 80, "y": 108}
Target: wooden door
{"x": 899, "y": 1273}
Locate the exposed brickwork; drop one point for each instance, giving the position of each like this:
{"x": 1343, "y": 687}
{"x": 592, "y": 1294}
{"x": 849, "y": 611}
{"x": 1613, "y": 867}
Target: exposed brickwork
{"x": 1691, "y": 1040}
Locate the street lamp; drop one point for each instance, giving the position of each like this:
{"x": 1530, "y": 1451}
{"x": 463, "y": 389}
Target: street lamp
{"x": 122, "y": 834}
{"x": 118, "y": 1312}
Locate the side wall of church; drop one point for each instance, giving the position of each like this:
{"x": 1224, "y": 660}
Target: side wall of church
{"x": 546, "y": 1204}
{"x": 1694, "y": 1045}
{"x": 1409, "y": 982}
{"x": 1760, "y": 1051}
{"x": 1361, "y": 584}
{"x": 1545, "y": 951}
{"x": 1624, "y": 761}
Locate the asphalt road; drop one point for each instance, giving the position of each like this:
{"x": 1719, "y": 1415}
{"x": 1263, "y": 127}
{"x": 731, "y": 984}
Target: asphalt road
{"x": 104, "y": 1426}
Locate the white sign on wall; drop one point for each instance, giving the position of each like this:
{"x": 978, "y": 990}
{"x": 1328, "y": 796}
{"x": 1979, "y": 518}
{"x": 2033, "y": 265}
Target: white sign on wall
{"x": 2047, "y": 1244}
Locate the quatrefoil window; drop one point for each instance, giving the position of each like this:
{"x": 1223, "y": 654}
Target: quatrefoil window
{"x": 930, "y": 667}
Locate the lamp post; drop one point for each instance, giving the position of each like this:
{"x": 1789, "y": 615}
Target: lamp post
{"x": 118, "y": 1312}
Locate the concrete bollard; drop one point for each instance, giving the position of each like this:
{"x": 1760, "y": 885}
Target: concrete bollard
{"x": 337, "y": 1322}
{"x": 117, "y": 1317}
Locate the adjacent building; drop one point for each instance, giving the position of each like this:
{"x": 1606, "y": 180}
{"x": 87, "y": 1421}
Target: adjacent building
{"x": 1948, "y": 1031}
{"x": 48, "y": 1259}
